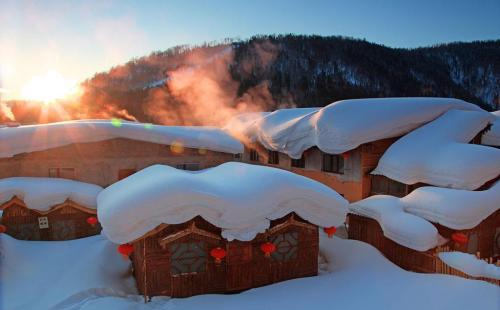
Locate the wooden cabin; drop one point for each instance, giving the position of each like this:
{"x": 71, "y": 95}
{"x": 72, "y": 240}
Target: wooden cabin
{"x": 175, "y": 260}
{"x": 347, "y": 173}
{"x": 64, "y": 221}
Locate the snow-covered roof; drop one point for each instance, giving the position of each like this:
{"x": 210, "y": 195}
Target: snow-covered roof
{"x": 492, "y": 136}
{"x": 407, "y": 220}
{"x": 43, "y": 193}
{"x": 403, "y": 228}
{"x": 470, "y": 264}
{"x": 239, "y": 198}
{"x": 438, "y": 153}
{"x": 342, "y": 125}
{"x": 30, "y": 138}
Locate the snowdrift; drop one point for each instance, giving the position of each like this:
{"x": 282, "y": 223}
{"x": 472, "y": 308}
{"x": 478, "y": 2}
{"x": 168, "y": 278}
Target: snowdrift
{"x": 16, "y": 140}
{"x": 43, "y": 193}
{"x": 342, "y": 125}
{"x": 492, "y": 136}
{"x": 470, "y": 264}
{"x": 438, "y": 153}
{"x": 241, "y": 199}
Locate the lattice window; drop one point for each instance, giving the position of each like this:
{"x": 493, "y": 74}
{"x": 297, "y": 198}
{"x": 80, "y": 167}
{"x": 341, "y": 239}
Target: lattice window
{"x": 189, "y": 257}
{"x": 287, "y": 246}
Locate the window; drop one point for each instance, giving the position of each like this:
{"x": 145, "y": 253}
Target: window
{"x": 123, "y": 173}
{"x": 333, "y": 163}
{"x": 287, "y": 246}
{"x": 254, "y": 156}
{"x": 189, "y": 166}
{"x": 65, "y": 173}
{"x": 274, "y": 158}
{"x": 237, "y": 156}
{"x": 298, "y": 163}
{"x": 185, "y": 258}
{"x": 386, "y": 186}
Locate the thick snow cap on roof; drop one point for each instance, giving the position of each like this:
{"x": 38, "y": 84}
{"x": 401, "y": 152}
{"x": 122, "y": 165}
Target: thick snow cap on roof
{"x": 438, "y": 153}
{"x": 403, "y": 228}
{"x": 453, "y": 208}
{"x": 492, "y": 136}
{"x": 32, "y": 138}
{"x": 239, "y": 198}
{"x": 342, "y": 125}
{"x": 43, "y": 193}
{"x": 470, "y": 264}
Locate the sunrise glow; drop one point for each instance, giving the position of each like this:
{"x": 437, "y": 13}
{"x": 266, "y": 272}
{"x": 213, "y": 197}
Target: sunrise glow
{"x": 48, "y": 88}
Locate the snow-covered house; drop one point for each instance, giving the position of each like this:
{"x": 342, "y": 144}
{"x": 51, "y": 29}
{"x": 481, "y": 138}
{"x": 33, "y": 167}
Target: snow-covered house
{"x": 340, "y": 144}
{"x": 223, "y": 229}
{"x": 48, "y": 208}
{"x": 459, "y": 211}
{"x": 103, "y": 151}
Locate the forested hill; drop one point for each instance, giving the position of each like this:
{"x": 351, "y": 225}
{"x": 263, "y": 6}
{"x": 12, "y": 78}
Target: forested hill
{"x": 188, "y": 85}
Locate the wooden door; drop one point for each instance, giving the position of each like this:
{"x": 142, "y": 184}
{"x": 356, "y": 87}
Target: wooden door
{"x": 239, "y": 266}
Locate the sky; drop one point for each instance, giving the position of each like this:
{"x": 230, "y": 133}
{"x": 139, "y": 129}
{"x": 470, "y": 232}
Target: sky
{"x": 75, "y": 39}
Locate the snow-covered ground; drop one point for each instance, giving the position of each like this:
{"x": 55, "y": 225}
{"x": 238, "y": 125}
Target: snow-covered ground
{"x": 88, "y": 274}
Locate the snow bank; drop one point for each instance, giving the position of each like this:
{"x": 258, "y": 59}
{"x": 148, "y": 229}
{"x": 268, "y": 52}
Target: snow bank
{"x": 239, "y": 198}
{"x": 32, "y": 138}
{"x": 492, "y": 136}
{"x": 470, "y": 264}
{"x": 39, "y": 274}
{"x": 342, "y": 125}
{"x": 403, "y": 228}
{"x": 439, "y": 154}
{"x": 453, "y": 208}
{"x": 43, "y": 193}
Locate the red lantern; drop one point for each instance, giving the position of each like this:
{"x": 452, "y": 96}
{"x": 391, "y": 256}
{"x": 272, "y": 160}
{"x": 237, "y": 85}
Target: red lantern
{"x": 92, "y": 221}
{"x": 268, "y": 248}
{"x": 3, "y": 229}
{"x": 345, "y": 155}
{"x": 218, "y": 254}
{"x": 330, "y": 231}
{"x": 125, "y": 249}
{"x": 459, "y": 238}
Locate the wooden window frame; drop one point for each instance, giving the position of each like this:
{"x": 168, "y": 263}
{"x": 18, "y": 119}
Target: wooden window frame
{"x": 254, "y": 155}
{"x": 58, "y": 173}
{"x": 273, "y": 158}
{"x": 332, "y": 163}
{"x": 298, "y": 163}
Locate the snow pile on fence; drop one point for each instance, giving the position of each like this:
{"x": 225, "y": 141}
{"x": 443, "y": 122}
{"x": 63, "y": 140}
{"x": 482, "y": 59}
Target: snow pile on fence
{"x": 438, "y": 153}
{"x": 239, "y": 198}
{"x": 342, "y": 125}
{"x": 492, "y": 136}
{"x": 43, "y": 193}
{"x": 453, "y": 208}
{"x": 16, "y": 140}
{"x": 470, "y": 264}
{"x": 403, "y": 228}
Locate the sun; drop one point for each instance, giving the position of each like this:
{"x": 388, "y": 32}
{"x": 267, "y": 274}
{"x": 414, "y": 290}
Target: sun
{"x": 48, "y": 88}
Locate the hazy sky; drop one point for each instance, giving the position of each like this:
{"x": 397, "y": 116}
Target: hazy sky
{"x": 79, "y": 38}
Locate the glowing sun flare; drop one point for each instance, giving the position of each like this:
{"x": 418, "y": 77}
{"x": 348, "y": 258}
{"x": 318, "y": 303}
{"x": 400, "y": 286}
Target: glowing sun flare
{"x": 48, "y": 88}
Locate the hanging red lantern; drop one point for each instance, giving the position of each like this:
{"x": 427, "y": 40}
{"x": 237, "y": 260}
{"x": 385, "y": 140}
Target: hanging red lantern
{"x": 218, "y": 254}
{"x": 92, "y": 220}
{"x": 3, "y": 229}
{"x": 330, "y": 231}
{"x": 345, "y": 155}
{"x": 125, "y": 249}
{"x": 459, "y": 238}
{"x": 268, "y": 248}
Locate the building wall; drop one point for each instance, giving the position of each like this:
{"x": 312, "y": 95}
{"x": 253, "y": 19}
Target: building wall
{"x": 100, "y": 162}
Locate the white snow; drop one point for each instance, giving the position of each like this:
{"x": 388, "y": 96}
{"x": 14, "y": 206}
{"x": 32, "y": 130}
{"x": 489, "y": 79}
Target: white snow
{"x": 88, "y": 274}
{"x": 492, "y": 136}
{"x": 32, "y": 138}
{"x": 403, "y": 228}
{"x": 453, "y": 208}
{"x": 470, "y": 264}
{"x": 43, "y": 193}
{"x": 241, "y": 199}
{"x": 342, "y": 125}
{"x": 438, "y": 153}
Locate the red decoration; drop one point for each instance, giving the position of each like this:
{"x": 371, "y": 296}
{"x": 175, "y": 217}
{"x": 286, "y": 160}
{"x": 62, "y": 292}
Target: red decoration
{"x": 345, "y": 155}
{"x": 92, "y": 221}
{"x": 3, "y": 229}
{"x": 330, "y": 231}
{"x": 218, "y": 253}
{"x": 125, "y": 249}
{"x": 459, "y": 238}
{"x": 268, "y": 248}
